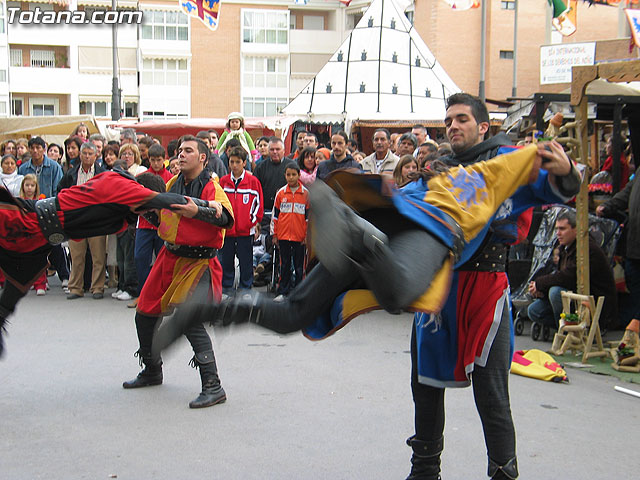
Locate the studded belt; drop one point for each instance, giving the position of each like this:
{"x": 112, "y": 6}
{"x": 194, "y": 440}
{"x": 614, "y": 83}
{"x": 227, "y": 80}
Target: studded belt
{"x": 491, "y": 258}
{"x": 191, "y": 252}
{"x": 47, "y": 212}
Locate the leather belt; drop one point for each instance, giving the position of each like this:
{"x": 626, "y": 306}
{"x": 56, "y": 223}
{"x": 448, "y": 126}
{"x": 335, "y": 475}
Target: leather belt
{"x": 491, "y": 258}
{"x": 47, "y": 212}
{"x": 188, "y": 251}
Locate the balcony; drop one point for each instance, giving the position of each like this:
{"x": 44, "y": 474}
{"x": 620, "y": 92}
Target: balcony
{"x": 41, "y": 80}
{"x": 314, "y": 41}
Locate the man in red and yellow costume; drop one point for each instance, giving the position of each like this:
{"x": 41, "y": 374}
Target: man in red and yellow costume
{"x": 193, "y": 233}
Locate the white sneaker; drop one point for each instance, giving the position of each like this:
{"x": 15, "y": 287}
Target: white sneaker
{"x": 125, "y": 297}
{"x": 41, "y": 291}
{"x": 279, "y": 298}
{"x": 116, "y": 294}
{"x": 65, "y": 283}
{"x": 66, "y": 290}
{"x": 224, "y": 297}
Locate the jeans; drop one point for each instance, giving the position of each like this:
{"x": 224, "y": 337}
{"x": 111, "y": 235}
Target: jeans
{"x": 128, "y": 278}
{"x": 242, "y": 247}
{"x": 546, "y": 311}
{"x": 58, "y": 260}
{"x": 146, "y": 244}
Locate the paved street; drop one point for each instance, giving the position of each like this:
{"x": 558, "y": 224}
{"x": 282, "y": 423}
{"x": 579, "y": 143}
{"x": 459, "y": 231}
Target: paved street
{"x": 337, "y": 409}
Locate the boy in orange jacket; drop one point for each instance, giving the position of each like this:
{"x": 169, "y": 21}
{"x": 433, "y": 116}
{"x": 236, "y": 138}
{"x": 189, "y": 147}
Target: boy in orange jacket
{"x": 245, "y": 194}
{"x": 290, "y": 215}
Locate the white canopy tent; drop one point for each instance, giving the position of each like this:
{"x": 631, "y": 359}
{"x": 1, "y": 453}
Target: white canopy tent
{"x": 382, "y": 71}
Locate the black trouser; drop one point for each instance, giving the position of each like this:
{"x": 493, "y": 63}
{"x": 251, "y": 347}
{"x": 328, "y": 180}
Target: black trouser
{"x": 58, "y": 259}
{"x": 196, "y": 333}
{"x": 288, "y": 251}
{"x": 491, "y": 393}
{"x": 9, "y": 298}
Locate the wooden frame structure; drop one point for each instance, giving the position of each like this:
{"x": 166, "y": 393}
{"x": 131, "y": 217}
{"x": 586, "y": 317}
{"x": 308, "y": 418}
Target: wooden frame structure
{"x": 626, "y": 71}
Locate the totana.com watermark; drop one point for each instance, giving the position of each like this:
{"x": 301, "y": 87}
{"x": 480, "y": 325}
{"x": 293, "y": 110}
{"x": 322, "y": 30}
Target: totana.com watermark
{"x": 75, "y": 17}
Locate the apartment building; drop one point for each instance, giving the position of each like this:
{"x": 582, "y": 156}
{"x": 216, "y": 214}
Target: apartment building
{"x": 263, "y": 53}
{"x": 63, "y": 68}
{"x": 454, "y": 38}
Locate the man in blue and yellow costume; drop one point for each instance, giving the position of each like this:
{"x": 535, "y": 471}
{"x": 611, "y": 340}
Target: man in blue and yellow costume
{"x": 436, "y": 247}
{"x": 193, "y": 233}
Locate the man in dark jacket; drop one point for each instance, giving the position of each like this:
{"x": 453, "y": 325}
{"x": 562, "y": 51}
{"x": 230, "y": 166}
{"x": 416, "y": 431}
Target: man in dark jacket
{"x": 548, "y": 288}
{"x": 271, "y": 176}
{"x": 340, "y": 158}
{"x": 628, "y": 200}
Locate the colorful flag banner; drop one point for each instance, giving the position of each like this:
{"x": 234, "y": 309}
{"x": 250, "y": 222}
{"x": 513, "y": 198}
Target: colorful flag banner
{"x": 463, "y": 4}
{"x": 634, "y": 23}
{"x": 564, "y": 16}
{"x": 207, "y": 11}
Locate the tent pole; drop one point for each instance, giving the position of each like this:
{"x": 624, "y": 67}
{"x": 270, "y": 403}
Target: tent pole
{"x": 346, "y": 77}
{"x": 380, "y": 53}
{"x": 410, "y": 79}
{"x": 313, "y": 92}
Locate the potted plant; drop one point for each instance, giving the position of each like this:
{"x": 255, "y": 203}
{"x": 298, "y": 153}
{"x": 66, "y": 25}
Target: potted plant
{"x": 625, "y": 352}
{"x": 61, "y": 60}
{"x": 570, "y": 318}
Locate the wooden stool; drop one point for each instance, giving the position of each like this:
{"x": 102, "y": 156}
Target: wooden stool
{"x": 580, "y": 337}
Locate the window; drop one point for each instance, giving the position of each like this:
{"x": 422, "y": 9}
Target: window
{"x": 2, "y": 26}
{"x": 44, "y": 7}
{"x": 43, "y": 58}
{"x": 15, "y": 57}
{"x": 3, "y": 109}
{"x": 260, "y": 106}
{"x": 97, "y": 108}
{"x": 164, "y": 25}
{"x": 265, "y": 26}
{"x": 506, "y": 54}
{"x": 17, "y": 106}
{"x": 161, "y": 71}
{"x": 43, "y": 109}
{"x": 313, "y": 22}
{"x": 508, "y": 5}
{"x": 261, "y": 72}
{"x": 3, "y": 76}
{"x": 130, "y": 109}
{"x": 353, "y": 19}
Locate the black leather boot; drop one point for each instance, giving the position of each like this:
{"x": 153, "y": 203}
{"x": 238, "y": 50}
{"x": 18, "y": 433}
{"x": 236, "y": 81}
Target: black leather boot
{"x": 312, "y": 297}
{"x": 150, "y": 375}
{"x": 212, "y": 392}
{"x": 339, "y": 234}
{"x": 425, "y": 460}
{"x": 508, "y": 471}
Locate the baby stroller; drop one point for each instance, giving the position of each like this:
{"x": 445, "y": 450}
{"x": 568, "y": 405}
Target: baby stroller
{"x": 605, "y": 231}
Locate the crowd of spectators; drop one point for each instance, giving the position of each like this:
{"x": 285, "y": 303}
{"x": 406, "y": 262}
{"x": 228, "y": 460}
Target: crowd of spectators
{"x": 123, "y": 261}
